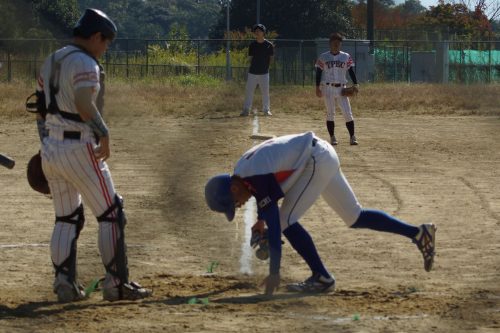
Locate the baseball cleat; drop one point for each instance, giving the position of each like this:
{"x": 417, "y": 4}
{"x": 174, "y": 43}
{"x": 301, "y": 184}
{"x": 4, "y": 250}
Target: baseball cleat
{"x": 267, "y": 113}
{"x": 128, "y": 291}
{"x": 354, "y": 142}
{"x": 67, "y": 293}
{"x": 314, "y": 284}
{"x": 244, "y": 113}
{"x": 333, "y": 140}
{"x": 426, "y": 243}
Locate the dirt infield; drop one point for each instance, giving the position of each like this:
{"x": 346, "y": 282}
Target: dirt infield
{"x": 429, "y": 167}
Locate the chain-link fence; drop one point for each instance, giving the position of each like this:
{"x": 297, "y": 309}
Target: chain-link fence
{"x": 378, "y": 61}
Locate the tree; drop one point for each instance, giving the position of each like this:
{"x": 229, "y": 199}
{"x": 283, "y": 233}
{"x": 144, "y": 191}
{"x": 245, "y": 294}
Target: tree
{"x": 155, "y": 18}
{"x": 289, "y": 18}
{"x": 387, "y": 15}
{"x": 58, "y": 16}
{"x": 455, "y": 19}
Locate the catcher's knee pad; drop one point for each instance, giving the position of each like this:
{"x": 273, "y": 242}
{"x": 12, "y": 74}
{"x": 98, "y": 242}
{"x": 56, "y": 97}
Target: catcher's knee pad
{"x": 118, "y": 265}
{"x": 68, "y": 266}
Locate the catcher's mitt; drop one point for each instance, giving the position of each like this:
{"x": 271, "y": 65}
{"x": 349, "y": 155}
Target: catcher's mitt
{"x": 36, "y": 177}
{"x": 349, "y": 91}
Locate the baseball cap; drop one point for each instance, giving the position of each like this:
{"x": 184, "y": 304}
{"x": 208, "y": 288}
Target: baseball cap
{"x": 259, "y": 26}
{"x": 218, "y": 195}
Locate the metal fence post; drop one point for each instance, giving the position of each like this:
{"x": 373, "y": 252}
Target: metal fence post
{"x": 198, "y": 57}
{"x": 302, "y": 62}
{"x": 147, "y": 57}
{"x": 9, "y": 68}
{"x": 126, "y": 58}
{"x": 34, "y": 69}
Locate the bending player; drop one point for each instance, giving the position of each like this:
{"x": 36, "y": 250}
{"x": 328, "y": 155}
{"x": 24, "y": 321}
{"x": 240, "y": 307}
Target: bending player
{"x": 75, "y": 144}
{"x": 331, "y": 70}
{"x": 299, "y": 168}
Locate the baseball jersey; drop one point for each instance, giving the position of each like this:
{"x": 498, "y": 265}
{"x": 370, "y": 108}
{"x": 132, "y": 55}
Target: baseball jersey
{"x": 334, "y": 67}
{"x": 78, "y": 70}
{"x": 261, "y": 54}
{"x": 272, "y": 167}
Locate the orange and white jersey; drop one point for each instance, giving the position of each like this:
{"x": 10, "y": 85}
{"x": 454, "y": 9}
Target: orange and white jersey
{"x": 334, "y": 67}
{"x": 78, "y": 70}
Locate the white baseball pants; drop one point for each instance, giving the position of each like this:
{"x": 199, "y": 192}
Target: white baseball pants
{"x": 72, "y": 173}
{"x": 321, "y": 176}
{"x": 263, "y": 82}
{"x": 332, "y": 95}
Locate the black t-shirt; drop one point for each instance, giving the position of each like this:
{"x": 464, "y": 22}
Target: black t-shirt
{"x": 260, "y": 53}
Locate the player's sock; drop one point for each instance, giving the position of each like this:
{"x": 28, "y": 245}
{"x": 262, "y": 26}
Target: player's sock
{"x": 350, "y": 127}
{"x": 330, "y": 126}
{"x": 302, "y": 242}
{"x": 381, "y": 221}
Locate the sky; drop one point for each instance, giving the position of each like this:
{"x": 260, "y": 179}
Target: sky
{"x": 425, "y": 3}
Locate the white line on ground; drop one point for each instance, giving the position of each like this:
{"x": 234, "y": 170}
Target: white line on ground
{"x": 249, "y": 218}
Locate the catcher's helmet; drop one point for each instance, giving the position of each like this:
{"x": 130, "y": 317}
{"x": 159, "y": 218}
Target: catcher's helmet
{"x": 260, "y": 27}
{"x": 218, "y": 195}
{"x": 36, "y": 177}
{"x": 92, "y": 21}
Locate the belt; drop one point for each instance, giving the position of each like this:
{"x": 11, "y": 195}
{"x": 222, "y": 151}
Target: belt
{"x": 314, "y": 142}
{"x": 72, "y": 135}
{"x": 334, "y": 84}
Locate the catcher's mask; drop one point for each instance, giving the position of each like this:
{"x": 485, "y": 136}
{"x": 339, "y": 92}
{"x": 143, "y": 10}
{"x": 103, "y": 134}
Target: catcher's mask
{"x": 218, "y": 195}
{"x": 36, "y": 177}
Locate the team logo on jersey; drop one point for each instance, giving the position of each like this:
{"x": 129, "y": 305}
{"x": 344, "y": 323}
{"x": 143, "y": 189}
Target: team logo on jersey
{"x": 264, "y": 202}
{"x": 335, "y": 63}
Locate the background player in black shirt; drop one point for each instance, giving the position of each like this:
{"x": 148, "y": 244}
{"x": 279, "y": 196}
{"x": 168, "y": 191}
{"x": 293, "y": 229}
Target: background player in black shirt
{"x": 261, "y": 53}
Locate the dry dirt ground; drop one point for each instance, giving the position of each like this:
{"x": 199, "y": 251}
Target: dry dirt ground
{"x": 431, "y": 167}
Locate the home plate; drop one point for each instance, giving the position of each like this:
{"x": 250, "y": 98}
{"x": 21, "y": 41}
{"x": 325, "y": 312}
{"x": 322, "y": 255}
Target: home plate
{"x": 262, "y": 136}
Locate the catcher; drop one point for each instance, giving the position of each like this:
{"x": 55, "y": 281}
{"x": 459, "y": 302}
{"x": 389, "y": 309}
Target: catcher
{"x": 298, "y": 169}
{"x": 75, "y": 144}
{"x": 331, "y": 69}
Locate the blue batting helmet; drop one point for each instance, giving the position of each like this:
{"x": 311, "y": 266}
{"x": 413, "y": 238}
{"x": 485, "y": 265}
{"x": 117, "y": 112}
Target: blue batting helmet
{"x": 92, "y": 21}
{"x": 218, "y": 195}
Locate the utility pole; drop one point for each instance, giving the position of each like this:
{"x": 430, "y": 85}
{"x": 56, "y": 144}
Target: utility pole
{"x": 228, "y": 56}
{"x": 258, "y": 11}
{"x": 370, "y": 24}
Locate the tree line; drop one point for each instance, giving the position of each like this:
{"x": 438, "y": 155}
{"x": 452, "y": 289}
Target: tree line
{"x": 286, "y": 19}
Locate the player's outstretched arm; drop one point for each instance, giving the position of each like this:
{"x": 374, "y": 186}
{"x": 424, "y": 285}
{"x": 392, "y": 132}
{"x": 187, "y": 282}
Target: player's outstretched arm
{"x": 272, "y": 217}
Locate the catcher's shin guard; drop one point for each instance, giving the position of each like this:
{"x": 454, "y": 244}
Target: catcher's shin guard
{"x": 58, "y": 249}
{"x": 117, "y": 265}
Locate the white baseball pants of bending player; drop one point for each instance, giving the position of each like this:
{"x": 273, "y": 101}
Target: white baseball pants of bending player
{"x": 73, "y": 172}
{"x": 321, "y": 176}
{"x": 262, "y": 81}
{"x": 331, "y": 95}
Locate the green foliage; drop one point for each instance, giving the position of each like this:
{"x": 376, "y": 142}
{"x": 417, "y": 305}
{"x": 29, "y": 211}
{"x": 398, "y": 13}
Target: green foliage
{"x": 59, "y": 16}
{"x": 155, "y": 18}
{"x": 455, "y": 19}
{"x": 37, "y": 18}
{"x": 289, "y": 18}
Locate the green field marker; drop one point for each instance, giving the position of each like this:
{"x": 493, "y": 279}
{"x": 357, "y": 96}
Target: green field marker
{"x": 91, "y": 287}
{"x": 213, "y": 265}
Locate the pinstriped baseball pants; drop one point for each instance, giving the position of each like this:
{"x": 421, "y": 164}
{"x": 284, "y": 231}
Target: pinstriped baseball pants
{"x": 72, "y": 173}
